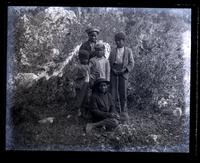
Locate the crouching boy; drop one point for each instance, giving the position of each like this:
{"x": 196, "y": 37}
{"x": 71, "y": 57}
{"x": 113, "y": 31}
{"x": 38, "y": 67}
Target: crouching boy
{"x": 102, "y": 107}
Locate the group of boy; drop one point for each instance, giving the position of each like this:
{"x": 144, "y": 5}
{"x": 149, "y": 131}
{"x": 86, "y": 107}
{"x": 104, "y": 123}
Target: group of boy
{"x": 102, "y": 83}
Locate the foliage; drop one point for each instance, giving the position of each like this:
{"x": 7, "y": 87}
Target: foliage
{"x": 158, "y": 71}
{"x": 46, "y": 42}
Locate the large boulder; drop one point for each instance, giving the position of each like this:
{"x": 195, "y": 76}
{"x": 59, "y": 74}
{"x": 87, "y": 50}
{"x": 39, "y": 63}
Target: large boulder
{"x": 25, "y": 80}
{"x": 41, "y": 37}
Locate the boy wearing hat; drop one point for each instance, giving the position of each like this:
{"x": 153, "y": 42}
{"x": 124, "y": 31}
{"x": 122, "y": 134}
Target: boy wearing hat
{"x": 99, "y": 65}
{"x": 82, "y": 72}
{"x": 121, "y": 63}
{"x": 102, "y": 107}
{"x": 92, "y": 39}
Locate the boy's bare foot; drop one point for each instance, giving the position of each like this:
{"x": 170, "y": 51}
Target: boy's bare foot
{"x": 124, "y": 117}
{"x": 88, "y": 128}
{"x": 79, "y": 113}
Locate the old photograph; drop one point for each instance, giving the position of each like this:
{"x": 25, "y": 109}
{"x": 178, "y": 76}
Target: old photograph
{"x": 113, "y": 79}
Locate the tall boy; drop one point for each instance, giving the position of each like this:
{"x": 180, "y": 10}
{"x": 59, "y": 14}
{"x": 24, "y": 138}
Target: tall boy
{"x": 121, "y": 63}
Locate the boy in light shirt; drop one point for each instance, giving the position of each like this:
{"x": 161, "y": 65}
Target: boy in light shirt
{"x": 99, "y": 65}
{"x": 121, "y": 63}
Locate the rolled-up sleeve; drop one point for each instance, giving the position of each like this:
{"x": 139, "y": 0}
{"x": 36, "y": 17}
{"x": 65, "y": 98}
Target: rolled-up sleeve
{"x": 108, "y": 70}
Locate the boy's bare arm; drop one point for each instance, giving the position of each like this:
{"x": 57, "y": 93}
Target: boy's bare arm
{"x": 108, "y": 71}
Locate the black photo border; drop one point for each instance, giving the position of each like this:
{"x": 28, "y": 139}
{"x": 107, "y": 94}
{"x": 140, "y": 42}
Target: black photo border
{"x": 108, "y": 156}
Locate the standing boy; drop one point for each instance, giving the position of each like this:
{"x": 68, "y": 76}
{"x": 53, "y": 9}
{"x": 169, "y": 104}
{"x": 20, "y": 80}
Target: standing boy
{"x": 121, "y": 63}
{"x": 92, "y": 40}
{"x": 82, "y": 73}
{"x": 99, "y": 65}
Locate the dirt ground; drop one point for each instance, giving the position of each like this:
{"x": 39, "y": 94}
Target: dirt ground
{"x": 147, "y": 131}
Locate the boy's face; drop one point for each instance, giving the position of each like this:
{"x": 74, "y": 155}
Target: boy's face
{"x": 92, "y": 36}
{"x": 103, "y": 87}
{"x": 119, "y": 43}
{"x": 84, "y": 61}
{"x": 99, "y": 53}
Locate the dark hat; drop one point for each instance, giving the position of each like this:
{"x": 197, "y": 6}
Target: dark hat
{"x": 83, "y": 54}
{"x": 99, "y": 46}
{"x": 100, "y": 80}
{"x": 120, "y": 36}
{"x": 92, "y": 29}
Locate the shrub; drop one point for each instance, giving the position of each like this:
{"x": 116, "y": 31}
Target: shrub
{"x": 46, "y": 37}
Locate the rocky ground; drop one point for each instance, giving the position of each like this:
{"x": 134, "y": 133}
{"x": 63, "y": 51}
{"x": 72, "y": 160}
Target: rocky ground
{"x": 148, "y": 131}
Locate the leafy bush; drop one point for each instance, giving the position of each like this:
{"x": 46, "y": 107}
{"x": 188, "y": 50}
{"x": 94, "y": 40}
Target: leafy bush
{"x": 44, "y": 38}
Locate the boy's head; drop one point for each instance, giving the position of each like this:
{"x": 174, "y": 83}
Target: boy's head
{"x": 92, "y": 34}
{"x": 83, "y": 57}
{"x": 99, "y": 50}
{"x": 101, "y": 85}
{"x": 120, "y": 39}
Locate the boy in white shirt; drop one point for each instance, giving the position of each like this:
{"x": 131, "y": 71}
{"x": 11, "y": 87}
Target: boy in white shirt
{"x": 99, "y": 65}
{"x": 121, "y": 63}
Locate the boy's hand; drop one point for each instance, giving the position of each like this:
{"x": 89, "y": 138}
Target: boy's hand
{"x": 116, "y": 116}
{"x": 115, "y": 72}
{"x": 122, "y": 71}
{"x": 119, "y": 72}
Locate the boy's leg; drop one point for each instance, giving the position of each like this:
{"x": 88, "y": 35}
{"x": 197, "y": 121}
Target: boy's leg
{"x": 123, "y": 83}
{"x": 85, "y": 102}
{"x": 81, "y": 97}
{"x": 114, "y": 91}
{"x": 77, "y": 101}
{"x": 108, "y": 123}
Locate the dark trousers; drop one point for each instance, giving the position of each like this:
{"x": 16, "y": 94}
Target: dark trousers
{"x": 119, "y": 92}
{"x": 82, "y": 98}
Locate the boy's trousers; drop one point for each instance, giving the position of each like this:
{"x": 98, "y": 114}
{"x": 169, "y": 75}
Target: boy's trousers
{"x": 82, "y": 97}
{"x": 119, "y": 92}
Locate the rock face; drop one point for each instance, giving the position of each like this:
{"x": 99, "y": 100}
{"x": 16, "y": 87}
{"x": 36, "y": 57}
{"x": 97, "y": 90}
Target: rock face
{"x": 25, "y": 79}
{"x": 40, "y": 60}
{"x": 39, "y": 36}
